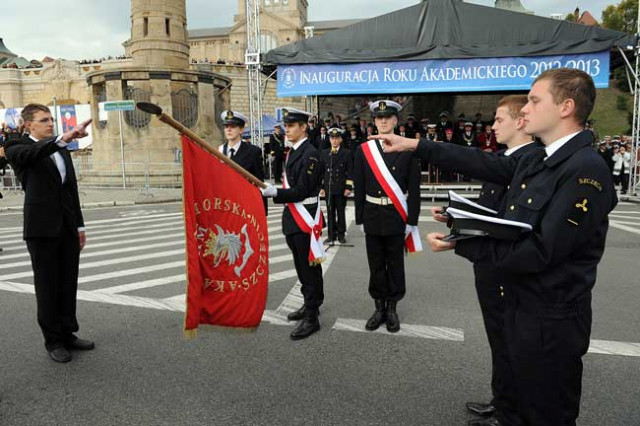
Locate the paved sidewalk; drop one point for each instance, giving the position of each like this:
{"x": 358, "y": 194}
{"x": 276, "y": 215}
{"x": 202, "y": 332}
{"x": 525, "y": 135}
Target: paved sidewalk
{"x": 14, "y": 200}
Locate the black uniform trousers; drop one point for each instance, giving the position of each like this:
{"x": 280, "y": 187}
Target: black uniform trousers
{"x": 55, "y": 272}
{"x": 310, "y": 276}
{"x": 490, "y": 290}
{"x": 545, "y": 347}
{"x": 386, "y": 266}
{"x": 337, "y": 222}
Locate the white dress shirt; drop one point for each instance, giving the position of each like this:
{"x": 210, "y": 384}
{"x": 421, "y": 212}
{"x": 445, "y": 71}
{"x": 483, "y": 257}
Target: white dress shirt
{"x": 553, "y": 147}
{"x": 510, "y": 151}
{"x": 235, "y": 148}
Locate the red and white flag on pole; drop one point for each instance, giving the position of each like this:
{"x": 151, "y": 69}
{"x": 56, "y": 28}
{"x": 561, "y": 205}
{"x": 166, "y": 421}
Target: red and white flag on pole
{"x": 386, "y": 180}
{"x": 227, "y": 244}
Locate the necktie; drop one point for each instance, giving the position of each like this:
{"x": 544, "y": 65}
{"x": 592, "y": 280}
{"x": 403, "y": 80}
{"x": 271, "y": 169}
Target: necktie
{"x": 232, "y": 152}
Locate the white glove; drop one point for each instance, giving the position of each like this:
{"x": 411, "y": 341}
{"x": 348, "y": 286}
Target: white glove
{"x": 361, "y": 228}
{"x": 270, "y": 191}
{"x": 407, "y": 230}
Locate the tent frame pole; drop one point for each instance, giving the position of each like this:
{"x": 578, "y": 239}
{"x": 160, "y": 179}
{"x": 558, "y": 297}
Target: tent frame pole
{"x": 254, "y": 81}
{"x": 634, "y": 173}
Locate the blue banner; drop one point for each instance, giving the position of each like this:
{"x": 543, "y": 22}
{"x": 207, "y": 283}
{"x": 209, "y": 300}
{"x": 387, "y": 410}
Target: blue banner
{"x": 429, "y": 76}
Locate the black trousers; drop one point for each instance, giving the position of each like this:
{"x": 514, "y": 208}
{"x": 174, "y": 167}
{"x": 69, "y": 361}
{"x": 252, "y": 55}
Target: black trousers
{"x": 310, "y": 276}
{"x": 336, "y": 204}
{"x": 489, "y": 288}
{"x": 386, "y": 266}
{"x": 55, "y": 274}
{"x": 545, "y": 353}
{"x": 277, "y": 169}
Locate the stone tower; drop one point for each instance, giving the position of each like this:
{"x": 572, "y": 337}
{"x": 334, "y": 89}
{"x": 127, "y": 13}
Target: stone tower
{"x": 159, "y": 33}
{"x": 158, "y": 72}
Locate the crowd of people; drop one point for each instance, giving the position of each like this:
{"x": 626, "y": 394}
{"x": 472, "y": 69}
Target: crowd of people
{"x": 220, "y": 61}
{"x": 616, "y": 152}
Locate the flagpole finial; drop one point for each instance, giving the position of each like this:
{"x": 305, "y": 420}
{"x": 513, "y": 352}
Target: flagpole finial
{"x": 149, "y": 108}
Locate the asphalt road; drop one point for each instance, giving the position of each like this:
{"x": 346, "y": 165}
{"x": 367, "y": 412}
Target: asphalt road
{"x": 143, "y": 373}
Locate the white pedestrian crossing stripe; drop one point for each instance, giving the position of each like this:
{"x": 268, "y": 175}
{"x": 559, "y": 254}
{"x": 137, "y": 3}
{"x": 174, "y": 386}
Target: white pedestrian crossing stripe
{"x": 128, "y": 260}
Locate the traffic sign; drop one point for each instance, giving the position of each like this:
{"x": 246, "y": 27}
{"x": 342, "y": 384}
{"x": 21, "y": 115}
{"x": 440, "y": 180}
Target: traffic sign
{"x": 120, "y": 106}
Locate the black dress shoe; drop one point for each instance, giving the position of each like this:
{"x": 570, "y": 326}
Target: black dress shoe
{"x": 80, "y": 344}
{"x": 342, "y": 240}
{"x": 60, "y": 355}
{"x": 378, "y": 318}
{"x": 306, "y": 328}
{"x": 484, "y": 410}
{"x": 393, "y": 322}
{"x": 489, "y": 421}
{"x": 299, "y": 314}
{"x": 329, "y": 241}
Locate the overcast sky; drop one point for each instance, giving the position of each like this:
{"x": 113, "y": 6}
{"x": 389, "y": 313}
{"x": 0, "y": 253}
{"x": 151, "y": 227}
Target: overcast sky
{"x": 96, "y": 28}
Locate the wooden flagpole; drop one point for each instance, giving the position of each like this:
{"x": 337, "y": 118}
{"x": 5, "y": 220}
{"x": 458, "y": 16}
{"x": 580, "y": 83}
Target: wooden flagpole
{"x": 154, "y": 109}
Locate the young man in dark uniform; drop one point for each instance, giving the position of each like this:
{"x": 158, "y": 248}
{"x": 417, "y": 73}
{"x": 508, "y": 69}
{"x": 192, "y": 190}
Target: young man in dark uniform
{"x": 384, "y": 227}
{"x": 303, "y": 170}
{"x": 336, "y": 185}
{"x": 245, "y": 154}
{"x": 276, "y": 150}
{"x": 564, "y": 191}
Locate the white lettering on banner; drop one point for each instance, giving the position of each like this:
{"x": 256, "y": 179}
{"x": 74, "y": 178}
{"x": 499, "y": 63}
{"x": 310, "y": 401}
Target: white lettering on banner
{"x": 464, "y": 73}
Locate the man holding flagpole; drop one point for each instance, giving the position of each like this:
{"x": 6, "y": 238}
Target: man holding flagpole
{"x": 302, "y": 220}
{"x": 387, "y": 199}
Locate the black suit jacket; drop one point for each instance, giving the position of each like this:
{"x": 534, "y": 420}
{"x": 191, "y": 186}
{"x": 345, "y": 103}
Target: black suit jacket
{"x": 385, "y": 220}
{"x": 338, "y": 171}
{"x": 249, "y": 157}
{"x": 304, "y": 173}
{"x": 48, "y": 203}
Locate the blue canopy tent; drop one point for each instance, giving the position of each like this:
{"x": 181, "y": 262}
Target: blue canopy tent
{"x": 268, "y": 123}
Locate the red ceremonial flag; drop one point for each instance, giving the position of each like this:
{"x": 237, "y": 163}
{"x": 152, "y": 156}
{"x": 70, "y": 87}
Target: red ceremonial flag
{"x": 227, "y": 243}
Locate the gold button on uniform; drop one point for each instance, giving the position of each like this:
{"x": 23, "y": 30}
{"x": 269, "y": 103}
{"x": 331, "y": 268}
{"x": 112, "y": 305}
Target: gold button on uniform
{"x": 512, "y": 208}
{"x": 501, "y": 294}
{"x": 493, "y": 191}
{"x": 501, "y": 288}
{"x": 529, "y": 201}
{"x": 523, "y": 186}
{"x": 379, "y": 192}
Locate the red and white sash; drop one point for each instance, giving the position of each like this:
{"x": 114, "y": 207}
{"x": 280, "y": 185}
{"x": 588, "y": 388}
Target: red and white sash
{"x": 308, "y": 225}
{"x": 384, "y": 177}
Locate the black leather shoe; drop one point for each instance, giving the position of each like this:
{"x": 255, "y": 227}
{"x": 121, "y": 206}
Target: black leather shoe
{"x": 378, "y": 318}
{"x": 342, "y": 240}
{"x": 60, "y": 355}
{"x": 393, "y": 322}
{"x": 489, "y": 421}
{"x": 484, "y": 410}
{"x": 306, "y": 328}
{"x": 80, "y": 344}
{"x": 297, "y": 315}
{"x": 329, "y": 241}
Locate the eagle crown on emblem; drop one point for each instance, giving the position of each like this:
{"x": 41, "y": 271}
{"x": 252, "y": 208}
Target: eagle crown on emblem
{"x": 223, "y": 245}
{"x": 285, "y": 112}
{"x": 382, "y": 106}
{"x": 229, "y": 115}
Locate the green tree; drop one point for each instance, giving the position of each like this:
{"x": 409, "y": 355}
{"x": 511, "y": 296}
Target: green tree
{"x": 571, "y": 18}
{"x": 621, "y": 17}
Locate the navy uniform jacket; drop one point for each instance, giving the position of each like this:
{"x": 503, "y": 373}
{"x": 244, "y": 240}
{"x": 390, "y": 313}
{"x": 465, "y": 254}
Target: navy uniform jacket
{"x": 48, "y": 203}
{"x": 338, "y": 171}
{"x": 249, "y": 157}
{"x": 566, "y": 199}
{"x": 304, "y": 174}
{"x": 491, "y": 194}
{"x": 385, "y": 220}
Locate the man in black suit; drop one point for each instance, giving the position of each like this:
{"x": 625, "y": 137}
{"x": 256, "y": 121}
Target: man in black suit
{"x": 322, "y": 140}
{"x": 246, "y": 155}
{"x": 336, "y": 185}
{"x": 276, "y": 151}
{"x": 384, "y": 227}
{"x": 303, "y": 172}
{"x": 443, "y": 125}
{"x": 53, "y": 225}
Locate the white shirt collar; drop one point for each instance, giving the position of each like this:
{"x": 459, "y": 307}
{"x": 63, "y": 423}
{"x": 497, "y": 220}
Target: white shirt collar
{"x": 553, "y": 147}
{"x": 235, "y": 147}
{"x": 510, "y": 151}
{"x": 297, "y": 144}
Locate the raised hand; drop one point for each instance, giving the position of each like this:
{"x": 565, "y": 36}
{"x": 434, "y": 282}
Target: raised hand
{"x": 78, "y": 132}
